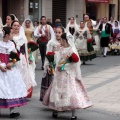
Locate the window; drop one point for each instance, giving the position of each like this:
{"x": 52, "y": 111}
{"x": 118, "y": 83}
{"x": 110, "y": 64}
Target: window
{"x": 34, "y": 9}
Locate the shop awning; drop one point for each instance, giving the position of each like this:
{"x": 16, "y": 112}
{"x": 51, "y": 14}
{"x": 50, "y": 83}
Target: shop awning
{"x": 98, "y": 1}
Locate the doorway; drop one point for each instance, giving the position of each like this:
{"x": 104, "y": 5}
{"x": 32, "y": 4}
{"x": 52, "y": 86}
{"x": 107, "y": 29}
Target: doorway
{"x": 111, "y": 10}
{"x": 59, "y": 11}
{"x": 4, "y": 10}
{"x": 91, "y": 10}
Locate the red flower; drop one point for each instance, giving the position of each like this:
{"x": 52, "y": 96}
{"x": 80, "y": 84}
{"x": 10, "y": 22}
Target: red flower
{"x": 74, "y": 57}
{"x": 50, "y": 53}
{"x": 89, "y": 40}
{"x": 32, "y": 46}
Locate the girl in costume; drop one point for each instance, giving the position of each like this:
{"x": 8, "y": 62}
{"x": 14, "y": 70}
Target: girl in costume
{"x": 22, "y": 48}
{"x": 52, "y": 46}
{"x": 67, "y": 91}
{"x": 12, "y": 88}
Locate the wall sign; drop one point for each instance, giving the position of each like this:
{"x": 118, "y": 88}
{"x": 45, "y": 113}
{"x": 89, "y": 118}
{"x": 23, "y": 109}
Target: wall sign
{"x": 98, "y": 1}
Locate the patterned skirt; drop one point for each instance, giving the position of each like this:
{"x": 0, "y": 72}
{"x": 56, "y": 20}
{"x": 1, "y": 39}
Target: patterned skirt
{"x": 66, "y": 93}
{"x": 8, "y": 103}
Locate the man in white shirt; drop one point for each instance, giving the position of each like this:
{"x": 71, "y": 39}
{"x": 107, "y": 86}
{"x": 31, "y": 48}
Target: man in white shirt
{"x": 44, "y": 32}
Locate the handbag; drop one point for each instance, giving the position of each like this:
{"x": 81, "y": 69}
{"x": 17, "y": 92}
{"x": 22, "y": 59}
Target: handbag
{"x": 45, "y": 83}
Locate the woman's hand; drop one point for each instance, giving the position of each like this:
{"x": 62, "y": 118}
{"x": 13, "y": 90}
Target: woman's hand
{"x": 30, "y": 61}
{"x": 59, "y": 68}
{"x": 9, "y": 65}
{"x": 3, "y": 69}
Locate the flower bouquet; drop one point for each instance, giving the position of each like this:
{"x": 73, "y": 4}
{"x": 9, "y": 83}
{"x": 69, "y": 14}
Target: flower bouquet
{"x": 32, "y": 46}
{"x": 50, "y": 57}
{"x": 14, "y": 57}
{"x": 89, "y": 40}
{"x": 70, "y": 58}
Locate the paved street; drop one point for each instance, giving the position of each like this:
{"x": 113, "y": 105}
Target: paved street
{"x": 101, "y": 77}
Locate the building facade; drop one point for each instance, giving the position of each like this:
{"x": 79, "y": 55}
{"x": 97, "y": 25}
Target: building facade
{"x": 21, "y": 8}
{"x": 62, "y": 9}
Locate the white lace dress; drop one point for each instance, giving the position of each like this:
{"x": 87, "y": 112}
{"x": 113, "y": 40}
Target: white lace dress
{"x": 23, "y": 64}
{"x": 66, "y": 92}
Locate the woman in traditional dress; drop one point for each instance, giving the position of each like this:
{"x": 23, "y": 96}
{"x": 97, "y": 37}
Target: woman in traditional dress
{"x": 12, "y": 88}
{"x": 114, "y": 45}
{"x": 112, "y": 21}
{"x": 29, "y": 29}
{"x": 96, "y": 36}
{"x": 21, "y": 45}
{"x": 116, "y": 30}
{"x": 83, "y": 43}
{"x": 29, "y": 32}
{"x": 67, "y": 91}
{"x": 52, "y": 46}
{"x": 9, "y": 19}
{"x": 72, "y": 26}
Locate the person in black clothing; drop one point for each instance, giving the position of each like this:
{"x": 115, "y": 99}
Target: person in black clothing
{"x": 106, "y": 32}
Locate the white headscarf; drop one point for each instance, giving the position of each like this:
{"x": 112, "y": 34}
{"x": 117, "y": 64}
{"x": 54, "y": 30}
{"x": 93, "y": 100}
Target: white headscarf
{"x": 31, "y": 24}
{"x": 15, "y": 17}
{"x": 72, "y": 44}
{"x": 75, "y": 25}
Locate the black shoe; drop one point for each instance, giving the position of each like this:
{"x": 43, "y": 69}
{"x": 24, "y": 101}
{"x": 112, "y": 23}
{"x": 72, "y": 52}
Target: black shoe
{"x": 83, "y": 62}
{"x": 104, "y": 55}
{"x": 74, "y": 118}
{"x": 42, "y": 68}
{"x": 15, "y": 114}
{"x": 55, "y": 114}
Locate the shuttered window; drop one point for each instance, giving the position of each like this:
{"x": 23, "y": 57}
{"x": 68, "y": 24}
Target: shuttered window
{"x": 59, "y": 11}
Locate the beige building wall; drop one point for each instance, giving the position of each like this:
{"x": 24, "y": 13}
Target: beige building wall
{"x": 47, "y": 8}
{"x": 75, "y": 9}
{"x": 103, "y": 10}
